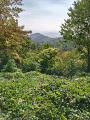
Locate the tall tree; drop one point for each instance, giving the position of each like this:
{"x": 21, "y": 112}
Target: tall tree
{"x": 77, "y": 27}
{"x": 11, "y": 35}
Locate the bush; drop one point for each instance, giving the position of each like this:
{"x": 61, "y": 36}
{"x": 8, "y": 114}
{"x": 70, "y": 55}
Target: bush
{"x": 3, "y": 59}
{"x": 29, "y": 65}
{"x": 47, "y": 59}
{"x": 58, "y": 68}
{"x": 10, "y": 66}
{"x": 69, "y": 63}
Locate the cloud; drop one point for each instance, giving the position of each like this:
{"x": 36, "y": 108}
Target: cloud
{"x": 44, "y": 15}
{"x": 39, "y": 3}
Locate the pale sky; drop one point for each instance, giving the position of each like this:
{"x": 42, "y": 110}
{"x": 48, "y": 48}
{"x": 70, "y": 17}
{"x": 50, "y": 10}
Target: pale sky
{"x": 44, "y": 16}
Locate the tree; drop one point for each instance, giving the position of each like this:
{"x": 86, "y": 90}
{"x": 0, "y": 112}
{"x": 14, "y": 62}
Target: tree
{"x": 47, "y": 58}
{"x": 77, "y": 27}
{"x": 11, "y": 35}
{"x": 47, "y": 45}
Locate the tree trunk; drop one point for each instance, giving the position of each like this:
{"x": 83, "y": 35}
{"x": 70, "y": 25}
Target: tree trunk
{"x": 88, "y": 68}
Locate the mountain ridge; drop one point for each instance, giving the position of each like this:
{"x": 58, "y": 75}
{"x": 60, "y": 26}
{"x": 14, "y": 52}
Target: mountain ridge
{"x": 40, "y": 38}
{"x": 55, "y": 42}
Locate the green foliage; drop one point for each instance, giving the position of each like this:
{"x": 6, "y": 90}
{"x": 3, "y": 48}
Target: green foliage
{"x": 37, "y": 96}
{"x": 10, "y": 66}
{"x": 69, "y": 63}
{"x": 11, "y": 34}
{"x": 29, "y": 45}
{"x": 72, "y": 29}
{"x": 47, "y": 58}
{"x": 29, "y": 65}
{"x": 54, "y": 61}
{"x": 47, "y": 45}
{"x": 3, "y": 59}
{"x": 76, "y": 28}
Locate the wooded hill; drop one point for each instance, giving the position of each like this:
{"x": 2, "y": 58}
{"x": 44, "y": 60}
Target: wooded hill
{"x": 55, "y": 42}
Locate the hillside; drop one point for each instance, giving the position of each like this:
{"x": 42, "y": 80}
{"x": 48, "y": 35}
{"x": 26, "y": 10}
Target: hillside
{"x": 55, "y": 42}
{"x": 40, "y": 38}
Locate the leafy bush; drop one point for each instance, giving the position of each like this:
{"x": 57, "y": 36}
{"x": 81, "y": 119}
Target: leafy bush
{"x": 47, "y": 59}
{"x": 10, "y": 66}
{"x": 3, "y": 59}
{"x": 47, "y": 45}
{"x": 8, "y": 75}
{"x": 68, "y": 63}
{"x": 37, "y": 96}
{"x": 29, "y": 65}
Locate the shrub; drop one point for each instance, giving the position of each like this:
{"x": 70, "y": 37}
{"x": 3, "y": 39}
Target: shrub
{"x": 47, "y": 59}
{"x": 69, "y": 63}
{"x": 3, "y": 59}
{"x": 29, "y": 65}
{"x": 10, "y": 66}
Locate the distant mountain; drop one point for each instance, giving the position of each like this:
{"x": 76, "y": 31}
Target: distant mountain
{"x": 40, "y": 38}
{"x": 55, "y": 42}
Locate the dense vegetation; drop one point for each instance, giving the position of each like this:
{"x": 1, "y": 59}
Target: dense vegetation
{"x": 77, "y": 27}
{"x": 39, "y": 82}
{"x": 36, "y": 96}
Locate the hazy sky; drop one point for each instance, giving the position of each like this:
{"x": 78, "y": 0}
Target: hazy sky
{"x": 44, "y": 15}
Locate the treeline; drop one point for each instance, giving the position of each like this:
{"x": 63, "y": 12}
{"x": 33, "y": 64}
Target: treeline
{"x": 19, "y": 53}
{"x": 45, "y": 59}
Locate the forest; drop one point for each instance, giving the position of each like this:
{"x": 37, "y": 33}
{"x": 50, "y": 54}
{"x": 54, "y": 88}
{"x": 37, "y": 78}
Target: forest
{"x": 42, "y": 82}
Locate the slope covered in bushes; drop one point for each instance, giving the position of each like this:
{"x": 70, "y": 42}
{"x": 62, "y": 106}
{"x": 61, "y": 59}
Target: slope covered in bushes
{"x": 36, "y": 96}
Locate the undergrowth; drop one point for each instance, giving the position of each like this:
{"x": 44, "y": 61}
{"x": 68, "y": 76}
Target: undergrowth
{"x": 36, "y": 96}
